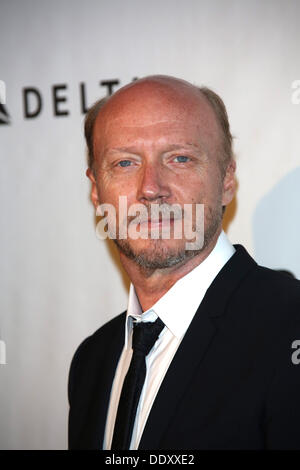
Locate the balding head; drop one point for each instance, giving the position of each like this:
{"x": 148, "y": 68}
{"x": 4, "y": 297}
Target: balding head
{"x": 145, "y": 98}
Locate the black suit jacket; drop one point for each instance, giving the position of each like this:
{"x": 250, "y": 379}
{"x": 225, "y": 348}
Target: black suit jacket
{"x": 233, "y": 383}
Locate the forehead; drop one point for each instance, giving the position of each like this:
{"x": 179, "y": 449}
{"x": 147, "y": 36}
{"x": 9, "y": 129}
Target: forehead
{"x": 151, "y": 111}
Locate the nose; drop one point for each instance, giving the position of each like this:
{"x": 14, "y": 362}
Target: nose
{"x": 152, "y": 184}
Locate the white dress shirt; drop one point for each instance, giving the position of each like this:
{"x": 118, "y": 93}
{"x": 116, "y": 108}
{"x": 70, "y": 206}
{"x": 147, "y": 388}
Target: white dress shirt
{"x": 176, "y": 309}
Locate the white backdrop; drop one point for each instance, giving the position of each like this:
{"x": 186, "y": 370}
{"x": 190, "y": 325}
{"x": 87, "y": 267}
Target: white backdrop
{"x": 59, "y": 282}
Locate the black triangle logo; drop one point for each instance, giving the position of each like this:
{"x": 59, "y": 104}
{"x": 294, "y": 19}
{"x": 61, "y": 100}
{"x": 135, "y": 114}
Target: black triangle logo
{"x": 4, "y": 116}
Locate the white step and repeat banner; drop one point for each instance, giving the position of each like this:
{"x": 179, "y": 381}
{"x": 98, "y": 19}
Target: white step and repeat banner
{"x": 59, "y": 283}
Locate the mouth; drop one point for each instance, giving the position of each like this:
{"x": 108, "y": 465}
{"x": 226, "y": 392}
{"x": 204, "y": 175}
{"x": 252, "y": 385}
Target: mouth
{"x": 160, "y": 222}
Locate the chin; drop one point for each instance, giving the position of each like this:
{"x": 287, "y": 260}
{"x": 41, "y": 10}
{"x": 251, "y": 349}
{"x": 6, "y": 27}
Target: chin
{"x": 155, "y": 254}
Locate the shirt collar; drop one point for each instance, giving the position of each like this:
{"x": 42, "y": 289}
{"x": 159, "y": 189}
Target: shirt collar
{"x": 179, "y": 305}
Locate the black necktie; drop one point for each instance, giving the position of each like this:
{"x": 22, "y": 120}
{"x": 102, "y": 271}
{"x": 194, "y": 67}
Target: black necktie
{"x": 144, "y": 336}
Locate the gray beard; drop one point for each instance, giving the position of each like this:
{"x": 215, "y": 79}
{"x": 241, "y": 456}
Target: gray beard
{"x": 160, "y": 256}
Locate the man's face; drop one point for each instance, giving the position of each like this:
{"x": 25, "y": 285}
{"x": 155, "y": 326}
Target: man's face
{"x": 157, "y": 146}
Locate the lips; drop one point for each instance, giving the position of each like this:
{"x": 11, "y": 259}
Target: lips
{"x": 161, "y": 220}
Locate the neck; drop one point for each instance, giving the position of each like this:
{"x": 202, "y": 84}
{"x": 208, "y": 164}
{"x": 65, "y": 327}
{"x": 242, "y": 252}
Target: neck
{"x": 151, "y": 284}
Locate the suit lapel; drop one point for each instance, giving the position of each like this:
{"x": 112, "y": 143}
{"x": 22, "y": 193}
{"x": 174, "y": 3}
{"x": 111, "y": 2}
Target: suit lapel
{"x": 188, "y": 356}
{"x": 193, "y": 348}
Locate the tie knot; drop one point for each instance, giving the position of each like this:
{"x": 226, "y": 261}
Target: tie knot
{"x": 145, "y": 334}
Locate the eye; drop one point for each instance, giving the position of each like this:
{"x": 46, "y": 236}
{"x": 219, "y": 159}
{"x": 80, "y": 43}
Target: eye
{"x": 182, "y": 159}
{"x": 124, "y": 163}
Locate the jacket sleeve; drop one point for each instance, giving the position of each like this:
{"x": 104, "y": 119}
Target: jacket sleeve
{"x": 73, "y": 368}
{"x": 283, "y": 398}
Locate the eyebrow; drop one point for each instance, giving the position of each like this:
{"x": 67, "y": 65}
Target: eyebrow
{"x": 133, "y": 149}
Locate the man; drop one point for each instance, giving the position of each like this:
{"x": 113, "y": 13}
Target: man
{"x": 223, "y": 371}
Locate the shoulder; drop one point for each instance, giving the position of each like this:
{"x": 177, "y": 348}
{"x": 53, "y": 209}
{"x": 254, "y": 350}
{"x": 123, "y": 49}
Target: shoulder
{"x": 267, "y": 296}
{"x": 275, "y": 286}
{"x": 100, "y": 337}
{"x": 93, "y": 350}
{"x": 266, "y": 281}
{"x": 257, "y": 294}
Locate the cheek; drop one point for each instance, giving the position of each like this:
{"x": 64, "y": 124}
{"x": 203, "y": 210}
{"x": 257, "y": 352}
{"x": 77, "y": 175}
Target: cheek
{"x": 110, "y": 190}
{"x": 206, "y": 190}
{"x": 213, "y": 186}
{"x": 190, "y": 191}
{"x": 106, "y": 190}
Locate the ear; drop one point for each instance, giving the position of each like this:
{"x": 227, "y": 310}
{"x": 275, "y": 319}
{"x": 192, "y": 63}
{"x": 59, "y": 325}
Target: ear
{"x": 94, "y": 192}
{"x": 229, "y": 183}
